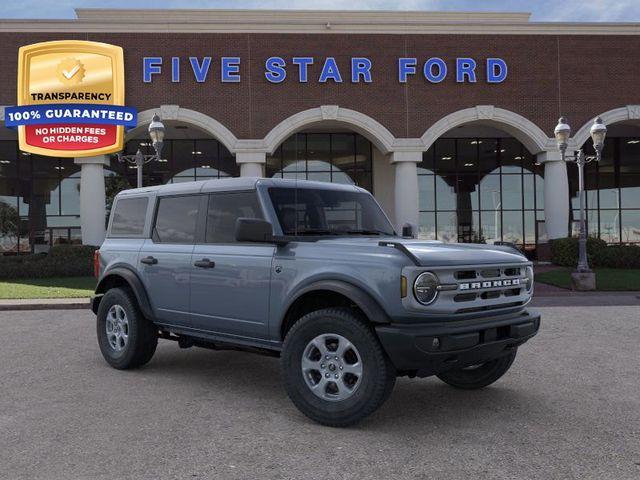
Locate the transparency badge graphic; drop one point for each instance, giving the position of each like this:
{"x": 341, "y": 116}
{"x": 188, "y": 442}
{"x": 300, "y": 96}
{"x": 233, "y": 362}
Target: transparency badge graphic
{"x": 70, "y": 99}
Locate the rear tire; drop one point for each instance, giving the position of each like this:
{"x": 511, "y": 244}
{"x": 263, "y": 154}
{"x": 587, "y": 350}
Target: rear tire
{"x": 127, "y": 339}
{"x": 478, "y": 376}
{"x": 335, "y": 369}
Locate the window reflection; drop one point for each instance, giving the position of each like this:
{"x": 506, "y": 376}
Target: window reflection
{"x": 481, "y": 190}
{"x": 612, "y": 190}
{"x": 326, "y": 157}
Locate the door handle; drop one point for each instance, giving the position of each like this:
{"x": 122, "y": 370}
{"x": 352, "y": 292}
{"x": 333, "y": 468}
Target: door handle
{"x": 149, "y": 260}
{"x": 204, "y": 263}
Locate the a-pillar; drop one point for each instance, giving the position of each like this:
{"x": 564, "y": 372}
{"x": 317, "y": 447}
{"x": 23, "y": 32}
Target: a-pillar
{"x": 251, "y": 163}
{"x": 406, "y": 189}
{"x": 92, "y": 199}
{"x": 556, "y": 194}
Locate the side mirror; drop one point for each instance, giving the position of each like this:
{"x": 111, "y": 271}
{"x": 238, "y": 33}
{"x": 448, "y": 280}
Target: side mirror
{"x": 407, "y": 230}
{"x": 253, "y": 230}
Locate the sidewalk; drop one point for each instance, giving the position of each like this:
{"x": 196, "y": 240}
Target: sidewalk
{"x": 44, "y": 304}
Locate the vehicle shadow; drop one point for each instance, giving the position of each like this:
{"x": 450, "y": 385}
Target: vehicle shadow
{"x": 429, "y": 402}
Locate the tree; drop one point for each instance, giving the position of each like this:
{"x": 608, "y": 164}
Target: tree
{"x": 9, "y": 221}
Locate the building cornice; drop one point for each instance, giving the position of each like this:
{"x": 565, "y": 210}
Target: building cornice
{"x": 309, "y": 21}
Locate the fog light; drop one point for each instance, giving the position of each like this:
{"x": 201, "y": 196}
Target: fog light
{"x": 425, "y": 288}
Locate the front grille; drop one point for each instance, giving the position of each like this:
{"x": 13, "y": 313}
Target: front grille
{"x": 493, "y": 284}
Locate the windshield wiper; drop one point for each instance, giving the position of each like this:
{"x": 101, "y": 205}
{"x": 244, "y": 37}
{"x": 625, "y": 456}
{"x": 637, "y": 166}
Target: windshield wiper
{"x": 311, "y": 231}
{"x": 365, "y": 232}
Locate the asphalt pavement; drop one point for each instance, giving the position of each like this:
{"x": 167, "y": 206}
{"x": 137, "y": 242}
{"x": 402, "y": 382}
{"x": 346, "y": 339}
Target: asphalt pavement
{"x": 569, "y": 408}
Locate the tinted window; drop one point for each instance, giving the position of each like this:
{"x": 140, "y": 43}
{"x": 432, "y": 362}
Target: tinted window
{"x": 308, "y": 211}
{"x": 128, "y": 216}
{"x": 224, "y": 210}
{"x": 176, "y": 219}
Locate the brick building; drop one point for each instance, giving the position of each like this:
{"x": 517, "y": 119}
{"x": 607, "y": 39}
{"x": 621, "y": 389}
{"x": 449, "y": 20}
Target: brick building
{"x": 447, "y": 118}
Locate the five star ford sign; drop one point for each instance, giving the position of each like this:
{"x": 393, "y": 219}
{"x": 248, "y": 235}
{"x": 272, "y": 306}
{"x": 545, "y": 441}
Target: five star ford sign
{"x": 70, "y": 99}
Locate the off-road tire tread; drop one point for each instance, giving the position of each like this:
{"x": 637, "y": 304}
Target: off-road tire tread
{"x": 143, "y": 337}
{"x": 384, "y": 383}
{"x": 466, "y": 380}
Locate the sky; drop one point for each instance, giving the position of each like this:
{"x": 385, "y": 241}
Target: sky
{"x": 542, "y": 10}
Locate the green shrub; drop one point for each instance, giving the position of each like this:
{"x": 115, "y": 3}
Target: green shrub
{"x": 61, "y": 261}
{"x": 564, "y": 252}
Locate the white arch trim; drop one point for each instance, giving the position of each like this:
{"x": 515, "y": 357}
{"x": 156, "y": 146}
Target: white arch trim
{"x": 630, "y": 112}
{"x": 531, "y": 136}
{"x": 359, "y": 122}
{"x": 200, "y": 120}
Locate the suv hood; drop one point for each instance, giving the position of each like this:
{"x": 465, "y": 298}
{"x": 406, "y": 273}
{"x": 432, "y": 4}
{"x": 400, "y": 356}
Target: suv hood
{"x": 434, "y": 253}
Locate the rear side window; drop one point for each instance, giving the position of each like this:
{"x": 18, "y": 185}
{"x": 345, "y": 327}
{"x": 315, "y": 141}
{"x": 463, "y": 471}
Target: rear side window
{"x": 224, "y": 209}
{"x": 129, "y": 215}
{"x": 176, "y": 219}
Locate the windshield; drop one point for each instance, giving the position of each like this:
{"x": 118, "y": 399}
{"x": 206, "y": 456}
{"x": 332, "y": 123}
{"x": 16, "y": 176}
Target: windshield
{"x": 310, "y": 211}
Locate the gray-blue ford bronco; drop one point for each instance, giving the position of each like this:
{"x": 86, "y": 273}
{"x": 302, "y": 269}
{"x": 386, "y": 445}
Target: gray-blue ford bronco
{"x": 313, "y": 273}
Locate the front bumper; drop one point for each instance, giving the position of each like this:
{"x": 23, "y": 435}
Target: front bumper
{"x": 428, "y": 349}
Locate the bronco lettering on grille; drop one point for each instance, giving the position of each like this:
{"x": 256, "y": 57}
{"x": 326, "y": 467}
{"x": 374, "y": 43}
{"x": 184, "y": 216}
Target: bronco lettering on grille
{"x": 489, "y": 284}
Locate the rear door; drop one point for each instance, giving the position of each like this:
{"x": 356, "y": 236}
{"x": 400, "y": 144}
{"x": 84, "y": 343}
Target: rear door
{"x": 165, "y": 258}
{"x": 230, "y": 281}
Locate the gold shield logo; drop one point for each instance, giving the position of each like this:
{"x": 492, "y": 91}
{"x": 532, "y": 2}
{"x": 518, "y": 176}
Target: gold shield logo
{"x": 76, "y": 74}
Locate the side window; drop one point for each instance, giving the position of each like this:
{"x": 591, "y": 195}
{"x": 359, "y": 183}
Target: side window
{"x": 176, "y": 219}
{"x": 128, "y": 216}
{"x": 224, "y": 209}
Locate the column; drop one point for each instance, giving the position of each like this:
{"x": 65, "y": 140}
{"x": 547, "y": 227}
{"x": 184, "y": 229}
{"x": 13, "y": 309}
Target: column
{"x": 406, "y": 189}
{"x": 556, "y": 194}
{"x": 92, "y": 199}
{"x": 251, "y": 163}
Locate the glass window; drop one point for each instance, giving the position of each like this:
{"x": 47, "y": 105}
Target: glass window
{"x": 609, "y": 225}
{"x": 176, "y": 219}
{"x": 128, "y": 216}
{"x": 327, "y": 157}
{"x": 223, "y": 211}
{"x": 445, "y": 194}
{"x": 629, "y": 155}
{"x": 447, "y": 226}
{"x": 511, "y": 192}
{"x": 304, "y": 211}
{"x": 8, "y": 159}
{"x": 445, "y": 156}
{"x": 630, "y": 190}
{"x": 182, "y": 162}
{"x": 630, "y": 226}
{"x": 427, "y": 228}
{"x": 426, "y": 188}
{"x": 512, "y": 229}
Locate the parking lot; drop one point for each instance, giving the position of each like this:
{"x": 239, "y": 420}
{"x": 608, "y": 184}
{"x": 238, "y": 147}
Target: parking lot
{"x": 569, "y": 408}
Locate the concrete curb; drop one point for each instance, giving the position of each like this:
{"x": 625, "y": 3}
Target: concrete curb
{"x": 45, "y": 304}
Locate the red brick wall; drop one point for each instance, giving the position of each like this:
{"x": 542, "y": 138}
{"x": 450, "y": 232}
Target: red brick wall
{"x": 578, "y": 76}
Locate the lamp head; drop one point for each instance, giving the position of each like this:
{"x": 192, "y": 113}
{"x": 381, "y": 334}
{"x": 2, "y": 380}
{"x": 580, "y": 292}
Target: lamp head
{"x": 598, "y": 133}
{"x": 156, "y": 129}
{"x": 562, "y": 133}
{"x": 156, "y": 133}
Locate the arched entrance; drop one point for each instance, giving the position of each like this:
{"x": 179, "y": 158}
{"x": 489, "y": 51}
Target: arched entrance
{"x": 189, "y": 153}
{"x": 612, "y": 185}
{"x": 480, "y": 181}
{"x": 333, "y": 144}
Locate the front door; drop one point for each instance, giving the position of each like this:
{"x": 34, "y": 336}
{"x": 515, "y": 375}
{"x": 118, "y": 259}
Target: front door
{"x": 230, "y": 281}
{"x": 165, "y": 259}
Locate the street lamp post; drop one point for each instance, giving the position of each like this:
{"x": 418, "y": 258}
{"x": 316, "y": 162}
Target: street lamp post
{"x": 562, "y": 133}
{"x": 156, "y": 133}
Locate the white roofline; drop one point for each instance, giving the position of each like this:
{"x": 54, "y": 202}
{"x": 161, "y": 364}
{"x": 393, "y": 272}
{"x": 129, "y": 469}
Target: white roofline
{"x": 310, "y": 21}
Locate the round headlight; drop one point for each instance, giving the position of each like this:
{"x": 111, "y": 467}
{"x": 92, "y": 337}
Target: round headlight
{"x": 425, "y": 288}
{"x": 529, "y": 275}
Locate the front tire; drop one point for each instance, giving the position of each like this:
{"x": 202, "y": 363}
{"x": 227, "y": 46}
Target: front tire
{"x": 478, "y": 376}
{"x": 127, "y": 339}
{"x": 335, "y": 369}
